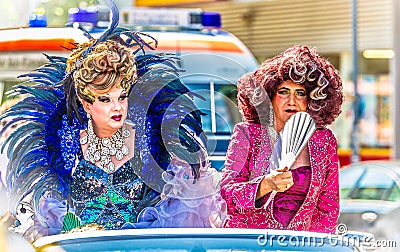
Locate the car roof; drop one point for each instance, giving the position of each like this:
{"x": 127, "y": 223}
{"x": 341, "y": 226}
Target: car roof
{"x": 391, "y": 165}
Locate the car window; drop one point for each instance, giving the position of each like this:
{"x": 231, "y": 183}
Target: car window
{"x": 219, "y": 108}
{"x": 226, "y": 67}
{"x": 375, "y": 184}
{"x": 376, "y": 178}
{"x": 348, "y": 179}
{"x": 369, "y": 193}
{"x": 367, "y": 184}
{"x": 394, "y": 193}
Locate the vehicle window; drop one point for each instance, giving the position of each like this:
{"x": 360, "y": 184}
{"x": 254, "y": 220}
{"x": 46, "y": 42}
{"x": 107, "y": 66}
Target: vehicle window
{"x": 348, "y": 179}
{"x": 369, "y": 193}
{"x": 374, "y": 185}
{"x": 226, "y": 107}
{"x": 220, "y": 109}
{"x": 394, "y": 193}
{"x": 376, "y": 178}
{"x": 223, "y": 67}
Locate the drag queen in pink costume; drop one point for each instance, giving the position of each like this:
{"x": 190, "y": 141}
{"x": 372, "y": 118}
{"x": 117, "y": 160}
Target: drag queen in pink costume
{"x": 296, "y": 80}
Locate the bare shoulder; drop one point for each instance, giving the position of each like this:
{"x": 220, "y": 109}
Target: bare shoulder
{"x": 129, "y": 124}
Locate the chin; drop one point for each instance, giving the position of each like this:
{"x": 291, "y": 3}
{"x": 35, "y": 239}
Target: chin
{"x": 116, "y": 125}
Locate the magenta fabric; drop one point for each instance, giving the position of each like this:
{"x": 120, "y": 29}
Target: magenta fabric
{"x": 247, "y": 162}
{"x": 288, "y": 203}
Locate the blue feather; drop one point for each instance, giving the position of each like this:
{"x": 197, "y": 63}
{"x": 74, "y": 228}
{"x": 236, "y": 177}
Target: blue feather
{"x": 113, "y": 23}
{"x": 36, "y": 149}
{"x": 169, "y": 107}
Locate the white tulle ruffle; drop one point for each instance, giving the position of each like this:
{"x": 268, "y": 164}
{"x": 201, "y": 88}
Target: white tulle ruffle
{"x": 185, "y": 201}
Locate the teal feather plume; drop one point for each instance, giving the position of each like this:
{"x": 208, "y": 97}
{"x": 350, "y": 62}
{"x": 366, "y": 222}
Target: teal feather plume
{"x": 70, "y": 222}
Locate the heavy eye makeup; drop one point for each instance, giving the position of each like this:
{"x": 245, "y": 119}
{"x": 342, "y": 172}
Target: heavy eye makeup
{"x": 286, "y": 92}
{"x": 123, "y": 96}
{"x": 106, "y": 99}
{"x": 300, "y": 93}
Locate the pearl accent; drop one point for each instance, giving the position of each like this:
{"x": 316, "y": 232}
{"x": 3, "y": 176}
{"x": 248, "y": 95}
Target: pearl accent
{"x": 100, "y": 150}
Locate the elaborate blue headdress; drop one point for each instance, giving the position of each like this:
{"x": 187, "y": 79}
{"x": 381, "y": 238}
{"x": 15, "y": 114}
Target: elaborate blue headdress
{"x": 42, "y": 151}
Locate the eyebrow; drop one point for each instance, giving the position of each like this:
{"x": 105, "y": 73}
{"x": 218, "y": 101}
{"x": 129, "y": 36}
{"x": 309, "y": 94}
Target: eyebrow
{"x": 297, "y": 89}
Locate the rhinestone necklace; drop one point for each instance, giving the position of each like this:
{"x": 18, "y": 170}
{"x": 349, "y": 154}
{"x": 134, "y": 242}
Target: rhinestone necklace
{"x": 100, "y": 150}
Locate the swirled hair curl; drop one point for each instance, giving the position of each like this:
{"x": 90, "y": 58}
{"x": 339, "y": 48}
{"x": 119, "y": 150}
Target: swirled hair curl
{"x": 302, "y": 65}
{"x": 108, "y": 64}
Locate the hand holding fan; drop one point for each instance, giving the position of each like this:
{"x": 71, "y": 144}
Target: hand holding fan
{"x": 291, "y": 140}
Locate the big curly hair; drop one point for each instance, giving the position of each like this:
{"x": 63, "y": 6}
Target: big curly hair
{"x": 302, "y": 65}
{"x": 108, "y": 64}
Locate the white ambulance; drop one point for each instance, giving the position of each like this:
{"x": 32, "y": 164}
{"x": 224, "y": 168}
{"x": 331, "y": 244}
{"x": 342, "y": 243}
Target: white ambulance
{"x": 212, "y": 59}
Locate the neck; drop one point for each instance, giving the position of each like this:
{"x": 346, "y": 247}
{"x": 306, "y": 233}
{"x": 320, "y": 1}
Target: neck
{"x": 278, "y": 125}
{"x": 279, "y": 128}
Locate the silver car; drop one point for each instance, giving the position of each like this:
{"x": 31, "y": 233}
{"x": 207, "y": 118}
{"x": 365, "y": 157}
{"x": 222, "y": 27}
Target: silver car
{"x": 370, "y": 200}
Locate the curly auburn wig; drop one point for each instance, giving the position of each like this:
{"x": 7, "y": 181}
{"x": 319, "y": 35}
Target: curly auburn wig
{"x": 302, "y": 65}
{"x": 108, "y": 64}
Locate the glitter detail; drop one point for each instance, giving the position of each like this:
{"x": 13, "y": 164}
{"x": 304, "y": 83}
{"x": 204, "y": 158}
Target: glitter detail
{"x": 100, "y": 150}
{"x": 109, "y": 199}
{"x": 247, "y": 160}
{"x": 68, "y": 134}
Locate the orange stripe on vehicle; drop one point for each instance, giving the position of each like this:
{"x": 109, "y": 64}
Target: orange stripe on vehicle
{"x": 162, "y": 3}
{"x": 198, "y": 45}
{"x": 56, "y": 45}
{"x": 383, "y": 152}
{"x": 36, "y": 45}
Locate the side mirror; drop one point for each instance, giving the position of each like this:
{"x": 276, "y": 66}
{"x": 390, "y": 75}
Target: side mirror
{"x": 369, "y": 217}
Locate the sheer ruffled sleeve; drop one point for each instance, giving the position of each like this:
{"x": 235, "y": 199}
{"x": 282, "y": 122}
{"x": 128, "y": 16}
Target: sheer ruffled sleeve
{"x": 49, "y": 219}
{"x": 186, "y": 202}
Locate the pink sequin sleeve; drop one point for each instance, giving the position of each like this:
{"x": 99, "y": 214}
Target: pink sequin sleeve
{"x": 237, "y": 188}
{"x": 327, "y": 211}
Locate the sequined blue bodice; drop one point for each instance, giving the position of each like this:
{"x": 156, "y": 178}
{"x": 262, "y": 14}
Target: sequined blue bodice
{"x": 109, "y": 199}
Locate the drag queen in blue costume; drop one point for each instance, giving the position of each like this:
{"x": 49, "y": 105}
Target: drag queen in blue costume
{"x": 111, "y": 139}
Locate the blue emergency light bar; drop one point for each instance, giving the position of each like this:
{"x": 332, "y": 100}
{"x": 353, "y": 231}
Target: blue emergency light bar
{"x": 147, "y": 17}
{"x": 211, "y": 19}
{"x": 94, "y": 17}
{"x": 37, "y": 20}
{"x": 77, "y": 15}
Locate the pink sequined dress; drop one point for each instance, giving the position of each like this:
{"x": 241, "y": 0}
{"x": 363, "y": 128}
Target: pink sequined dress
{"x": 312, "y": 205}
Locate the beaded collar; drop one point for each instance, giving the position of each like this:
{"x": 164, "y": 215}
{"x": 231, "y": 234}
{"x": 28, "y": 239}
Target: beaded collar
{"x": 100, "y": 150}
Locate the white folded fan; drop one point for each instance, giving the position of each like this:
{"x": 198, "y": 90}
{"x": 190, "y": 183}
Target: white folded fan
{"x": 291, "y": 140}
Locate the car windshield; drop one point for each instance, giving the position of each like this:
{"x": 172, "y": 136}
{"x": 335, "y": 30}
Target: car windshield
{"x": 218, "y": 103}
